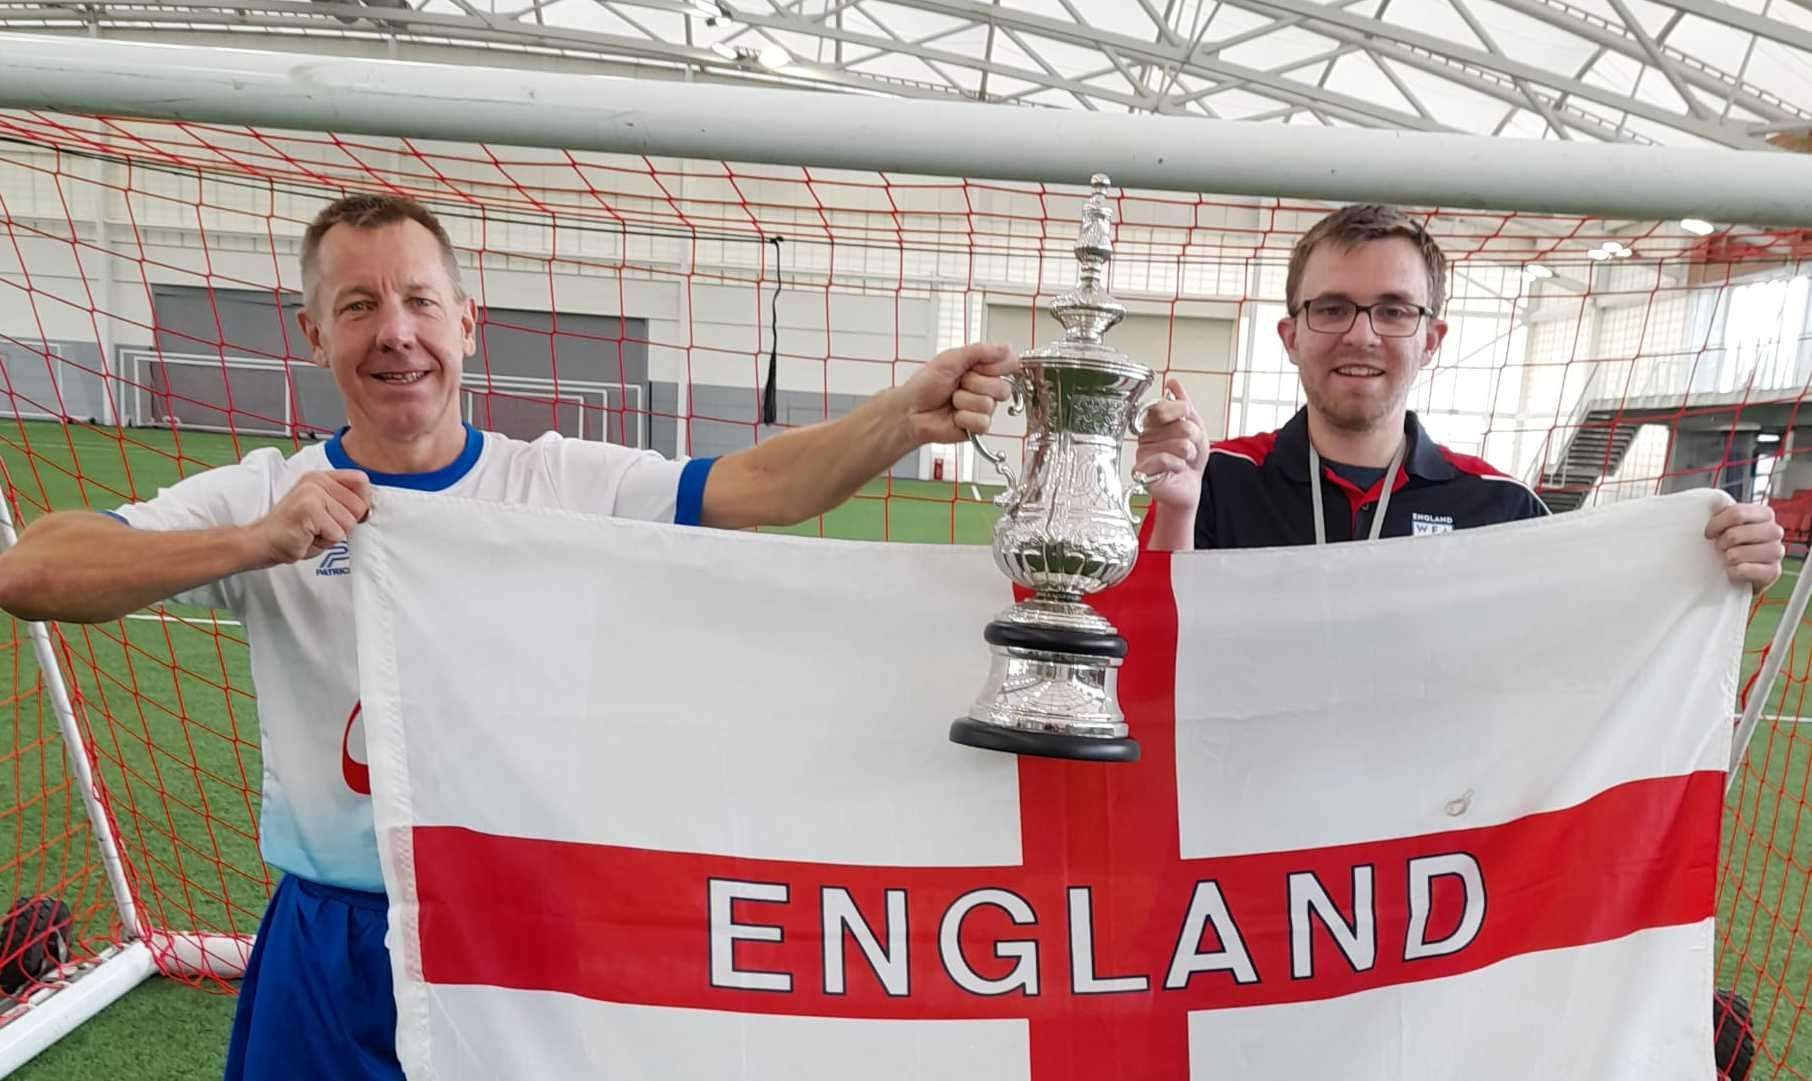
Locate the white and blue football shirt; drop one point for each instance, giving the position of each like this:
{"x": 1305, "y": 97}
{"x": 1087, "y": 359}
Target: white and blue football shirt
{"x": 316, "y": 818}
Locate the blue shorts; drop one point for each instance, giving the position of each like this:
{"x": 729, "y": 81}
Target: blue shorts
{"x": 316, "y": 1001}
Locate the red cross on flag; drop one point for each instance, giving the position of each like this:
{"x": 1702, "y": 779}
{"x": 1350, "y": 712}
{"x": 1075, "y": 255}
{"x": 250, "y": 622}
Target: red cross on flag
{"x": 659, "y": 803}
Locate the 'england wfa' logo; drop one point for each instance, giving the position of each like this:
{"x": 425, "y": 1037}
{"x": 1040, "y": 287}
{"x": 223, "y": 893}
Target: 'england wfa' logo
{"x": 1423, "y": 525}
{"x": 334, "y": 561}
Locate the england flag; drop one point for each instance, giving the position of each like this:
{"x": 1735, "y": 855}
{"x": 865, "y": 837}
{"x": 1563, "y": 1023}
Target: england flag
{"x": 666, "y": 804}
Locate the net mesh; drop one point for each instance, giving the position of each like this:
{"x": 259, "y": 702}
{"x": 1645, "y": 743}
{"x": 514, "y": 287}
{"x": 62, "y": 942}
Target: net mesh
{"x": 149, "y": 282}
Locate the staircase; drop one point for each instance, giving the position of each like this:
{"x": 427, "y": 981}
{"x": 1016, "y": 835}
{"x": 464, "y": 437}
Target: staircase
{"x": 1598, "y": 444}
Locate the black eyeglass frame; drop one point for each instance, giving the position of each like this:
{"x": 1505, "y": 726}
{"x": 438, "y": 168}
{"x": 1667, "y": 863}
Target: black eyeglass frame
{"x": 1423, "y": 313}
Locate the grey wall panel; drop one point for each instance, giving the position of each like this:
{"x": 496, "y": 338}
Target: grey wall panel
{"x": 59, "y": 378}
{"x": 525, "y": 417}
{"x": 84, "y": 391}
{"x": 723, "y": 419}
{"x": 519, "y": 355}
{"x": 216, "y": 395}
{"x": 33, "y": 373}
{"x": 318, "y": 405}
{"x": 238, "y": 322}
{"x": 663, "y": 425}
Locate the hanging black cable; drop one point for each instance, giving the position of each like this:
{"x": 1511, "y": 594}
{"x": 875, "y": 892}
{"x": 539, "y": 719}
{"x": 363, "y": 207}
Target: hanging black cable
{"x": 770, "y": 397}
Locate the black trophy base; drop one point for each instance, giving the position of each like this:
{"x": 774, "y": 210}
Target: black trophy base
{"x": 1073, "y": 641}
{"x": 992, "y": 737}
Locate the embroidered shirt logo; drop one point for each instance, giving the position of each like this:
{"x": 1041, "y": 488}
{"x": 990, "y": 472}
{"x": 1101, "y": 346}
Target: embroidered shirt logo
{"x": 1427, "y": 524}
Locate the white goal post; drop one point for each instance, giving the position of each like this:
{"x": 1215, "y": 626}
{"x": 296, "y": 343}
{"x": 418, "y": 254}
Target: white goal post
{"x": 585, "y": 112}
{"x": 54, "y": 1011}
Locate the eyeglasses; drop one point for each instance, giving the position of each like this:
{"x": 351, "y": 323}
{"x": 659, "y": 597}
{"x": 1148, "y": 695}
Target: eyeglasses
{"x": 1389, "y": 319}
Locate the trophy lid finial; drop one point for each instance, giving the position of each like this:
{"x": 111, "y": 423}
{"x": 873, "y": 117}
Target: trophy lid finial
{"x": 1088, "y": 311}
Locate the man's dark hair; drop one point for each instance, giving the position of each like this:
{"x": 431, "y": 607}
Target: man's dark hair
{"x": 1351, "y": 226}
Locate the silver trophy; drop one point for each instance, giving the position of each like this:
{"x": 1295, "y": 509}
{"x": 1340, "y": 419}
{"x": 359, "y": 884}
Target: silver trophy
{"x": 1066, "y": 530}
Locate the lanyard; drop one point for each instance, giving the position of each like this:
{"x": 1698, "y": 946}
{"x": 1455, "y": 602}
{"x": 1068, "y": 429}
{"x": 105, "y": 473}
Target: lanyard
{"x": 1390, "y": 480}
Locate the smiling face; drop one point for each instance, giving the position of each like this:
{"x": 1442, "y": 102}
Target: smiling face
{"x": 1359, "y": 381}
{"x": 384, "y": 315}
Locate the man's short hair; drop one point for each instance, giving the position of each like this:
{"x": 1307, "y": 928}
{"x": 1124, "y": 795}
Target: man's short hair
{"x": 372, "y": 211}
{"x": 1351, "y": 226}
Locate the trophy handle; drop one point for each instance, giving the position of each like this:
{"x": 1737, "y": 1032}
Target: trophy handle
{"x": 1141, "y": 485}
{"x": 999, "y": 462}
{"x": 1141, "y": 482}
{"x": 1015, "y": 406}
{"x": 1137, "y": 424}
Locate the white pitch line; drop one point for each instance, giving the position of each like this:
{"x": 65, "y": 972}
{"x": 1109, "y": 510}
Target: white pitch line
{"x": 201, "y": 623}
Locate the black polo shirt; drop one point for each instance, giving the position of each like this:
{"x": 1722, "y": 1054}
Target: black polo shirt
{"x": 1255, "y": 492}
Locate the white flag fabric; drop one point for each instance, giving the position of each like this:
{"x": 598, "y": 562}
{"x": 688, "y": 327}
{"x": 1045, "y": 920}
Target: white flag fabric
{"x": 668, "y": 804}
